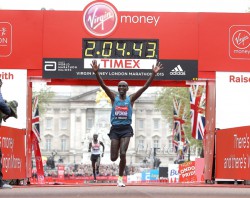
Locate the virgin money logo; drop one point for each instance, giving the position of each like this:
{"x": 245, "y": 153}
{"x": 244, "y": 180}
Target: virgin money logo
{"x": 100, "y": 18}
{"x": 239, "y": 42}
{"x": 241, "y": 39}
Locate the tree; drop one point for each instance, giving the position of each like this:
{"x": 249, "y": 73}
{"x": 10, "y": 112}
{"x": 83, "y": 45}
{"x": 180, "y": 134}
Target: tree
{"x": 164, "y": 102}
{"x": 44, "y": 96}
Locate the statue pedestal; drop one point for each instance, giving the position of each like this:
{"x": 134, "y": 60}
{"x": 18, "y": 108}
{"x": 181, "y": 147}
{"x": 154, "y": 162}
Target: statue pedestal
{"x": 86, "y": 158}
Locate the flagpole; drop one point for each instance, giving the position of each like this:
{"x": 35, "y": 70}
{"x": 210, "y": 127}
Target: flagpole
{"x": 188, "y": 152}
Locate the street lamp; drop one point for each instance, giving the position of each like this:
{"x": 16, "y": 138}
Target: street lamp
{"x": 74, "y": 154}
{"x": 156, "y": 160}
{"x": 188, "y": 152}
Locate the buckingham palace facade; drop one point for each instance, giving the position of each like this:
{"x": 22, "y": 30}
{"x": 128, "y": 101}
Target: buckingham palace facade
{"x": 70, "y": 119}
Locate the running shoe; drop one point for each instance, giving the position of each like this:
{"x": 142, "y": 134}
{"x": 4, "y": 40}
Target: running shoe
{"x": 6, "y": 186}
{"x": 120, "y": 183}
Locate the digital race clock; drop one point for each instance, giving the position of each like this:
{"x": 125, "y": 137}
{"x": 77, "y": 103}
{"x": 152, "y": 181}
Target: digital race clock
{"x": 120, "y": 53}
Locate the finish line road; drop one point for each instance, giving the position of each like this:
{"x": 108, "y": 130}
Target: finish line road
{"x": 128, "y": 191}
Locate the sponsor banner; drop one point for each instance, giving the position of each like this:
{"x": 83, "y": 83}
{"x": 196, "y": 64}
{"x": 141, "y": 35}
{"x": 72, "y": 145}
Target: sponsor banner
{"x": 136, "y": 64}
{"x": 187, "y": 172}
{"x": 179, "y": 35}
{"x": 134, "y": 178}
{"x": 154, "y": 174}
{"x": 15, "y": 88}
{"x": 100, "y": 18}
{"x": 12, "y": 143}
{"x": 60, "y": 68}
{"x": 151, "y": 175}
{"x": 239, "y": 42}
{"x": 232, "y": 99}
{"x": 234, "y": 161}
{"x": 173, "y": 173}
{"x": 163, "y": 172}
{"x": 60, "y": 169}
{"x": 199, "y": 169}
{"x": 38, "y": 158}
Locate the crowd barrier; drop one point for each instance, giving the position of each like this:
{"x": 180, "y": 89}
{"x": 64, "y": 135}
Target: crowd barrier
{"x": 75, "y": 180}
{"x": 89, "y": 179}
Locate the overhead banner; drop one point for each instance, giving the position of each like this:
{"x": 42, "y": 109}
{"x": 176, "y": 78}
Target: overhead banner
{"x": 119, "y": 69}
{"x": 116, "y": 30}
{"x": 122, "y": 55}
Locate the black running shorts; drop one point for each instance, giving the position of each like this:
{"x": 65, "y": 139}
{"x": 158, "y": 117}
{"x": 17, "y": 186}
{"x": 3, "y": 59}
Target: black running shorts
{"x": 120, "y": 131}
{"x": 94, "y": 157}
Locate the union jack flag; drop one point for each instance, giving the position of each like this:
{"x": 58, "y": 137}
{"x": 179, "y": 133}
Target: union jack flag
{"x": 35, "y": 119}
{"x": 179, "y": 121}
{"x": 197, "y": 110}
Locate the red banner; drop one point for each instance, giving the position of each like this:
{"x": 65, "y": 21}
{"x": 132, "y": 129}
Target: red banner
{"x": 38, "y": 157}
{"x": 13, "y": 153}
{"x": 187, "y": 172}
{"x": 60, "y": 171}
{"x": 200, "y": 35}
{"x": 233, "y": 161}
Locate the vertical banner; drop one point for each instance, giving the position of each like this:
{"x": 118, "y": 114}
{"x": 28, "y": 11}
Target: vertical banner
{"x": 12, "y": 143}
{"x": 60, "y": 171}
{"x": 187, "y": 172}
{"x": 35, "y": 140}
{"x": 199, "y": 169}
{"x": 173, "y": 173}
{"x": 12, "y": 131}
{"x": 38, "y": 157}
{"x": 232, "y": 99}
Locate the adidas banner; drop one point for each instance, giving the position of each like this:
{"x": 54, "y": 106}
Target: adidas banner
{"x": 133, "y": 70}
{"x": 180, "y": 69}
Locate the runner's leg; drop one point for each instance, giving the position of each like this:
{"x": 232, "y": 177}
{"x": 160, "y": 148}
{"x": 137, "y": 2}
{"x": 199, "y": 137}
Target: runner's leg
{"x": 114, "y": 149}
{"x": 123, "y": 149}
{"x": 93, "y": 167}
{"x": 98, "y": 161}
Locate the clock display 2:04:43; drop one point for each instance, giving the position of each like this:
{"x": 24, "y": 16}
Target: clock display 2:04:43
{"x": 117, "y": 48}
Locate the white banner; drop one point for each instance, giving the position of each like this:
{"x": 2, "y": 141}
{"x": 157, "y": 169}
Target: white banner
{"x": 232, "y": 99}
{"x": 15, "y": 88}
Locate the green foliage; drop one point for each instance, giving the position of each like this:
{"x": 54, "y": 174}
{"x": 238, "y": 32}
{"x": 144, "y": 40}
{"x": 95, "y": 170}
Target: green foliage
{"x": 164, "y": 102}
{"x": 44, "y": 96}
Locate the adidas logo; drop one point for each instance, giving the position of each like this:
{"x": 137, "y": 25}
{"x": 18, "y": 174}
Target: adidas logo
{"x": 177, "y": 71}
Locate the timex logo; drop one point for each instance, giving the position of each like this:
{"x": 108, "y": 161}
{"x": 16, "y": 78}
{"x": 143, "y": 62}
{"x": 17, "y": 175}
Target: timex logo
{"x": 122, "y": 64}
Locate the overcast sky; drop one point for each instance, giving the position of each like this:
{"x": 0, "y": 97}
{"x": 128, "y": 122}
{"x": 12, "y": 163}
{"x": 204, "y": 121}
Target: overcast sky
{"x": 134, "y": 5}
